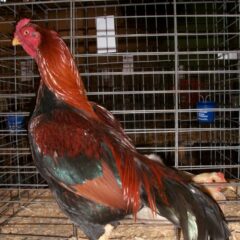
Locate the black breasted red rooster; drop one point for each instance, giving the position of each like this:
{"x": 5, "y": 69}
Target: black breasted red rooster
{"x": 90, "y": 164}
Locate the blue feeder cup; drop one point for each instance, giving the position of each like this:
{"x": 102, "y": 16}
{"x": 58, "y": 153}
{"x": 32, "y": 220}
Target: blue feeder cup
{"x": 205, "y": 115}
{"x": 15, "y": 123}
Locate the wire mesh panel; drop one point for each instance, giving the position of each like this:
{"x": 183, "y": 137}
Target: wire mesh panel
{"x": 168, "y": 70}
{"x": 168, "y": 58}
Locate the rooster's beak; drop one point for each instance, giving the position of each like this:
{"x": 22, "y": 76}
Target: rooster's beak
{"x": 16, "y": 41}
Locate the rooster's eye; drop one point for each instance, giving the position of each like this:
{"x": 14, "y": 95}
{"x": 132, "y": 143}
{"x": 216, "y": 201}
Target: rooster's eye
{"x": 26, "y": 32}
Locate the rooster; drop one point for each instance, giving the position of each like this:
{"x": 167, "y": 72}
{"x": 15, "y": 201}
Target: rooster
{"x": 90, "y": 164}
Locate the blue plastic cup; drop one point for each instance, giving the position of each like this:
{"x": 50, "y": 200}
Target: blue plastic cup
{"x": 205, "y": 115}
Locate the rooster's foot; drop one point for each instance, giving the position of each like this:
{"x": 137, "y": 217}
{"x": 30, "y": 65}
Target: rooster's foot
{"x": 108, "y": 229}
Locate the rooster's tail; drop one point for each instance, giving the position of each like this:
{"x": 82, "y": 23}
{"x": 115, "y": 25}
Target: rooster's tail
{"x": 184, "y": 204}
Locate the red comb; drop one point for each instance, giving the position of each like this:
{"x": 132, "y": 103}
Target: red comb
{"x": 221, "y": 175}
{"x": 22, "y": 23}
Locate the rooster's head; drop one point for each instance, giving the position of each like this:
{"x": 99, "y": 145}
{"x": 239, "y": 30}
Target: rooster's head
{"x": 28, "y": 36}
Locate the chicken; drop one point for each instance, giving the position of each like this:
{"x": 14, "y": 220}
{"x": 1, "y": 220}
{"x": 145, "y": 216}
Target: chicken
{"x": 212, "y": 177}
{"x": 90, "y": 164}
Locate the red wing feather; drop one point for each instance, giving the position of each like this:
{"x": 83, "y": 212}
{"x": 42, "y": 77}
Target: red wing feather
{"x": 65, "y": 135}
{"x": 103, "y": 190}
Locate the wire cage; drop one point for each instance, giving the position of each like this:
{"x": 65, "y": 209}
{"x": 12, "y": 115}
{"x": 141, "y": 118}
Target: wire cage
{"x": 168, "y": 70}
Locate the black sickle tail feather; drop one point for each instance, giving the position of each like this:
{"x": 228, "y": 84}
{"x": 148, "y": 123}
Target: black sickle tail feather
{"x": 198, "y": 215}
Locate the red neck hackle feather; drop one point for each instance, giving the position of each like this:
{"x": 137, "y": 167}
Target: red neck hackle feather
{"x": 59, "y": 72}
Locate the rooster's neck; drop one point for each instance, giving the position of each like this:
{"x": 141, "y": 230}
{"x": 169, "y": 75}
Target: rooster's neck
{"x": 60, "y": 74}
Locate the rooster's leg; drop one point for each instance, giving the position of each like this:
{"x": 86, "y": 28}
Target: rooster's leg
{"x": 178, "y": 233}
{"x": 108, "y": 229}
